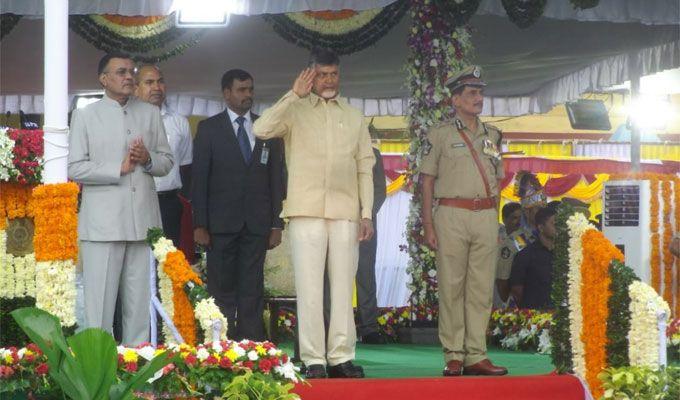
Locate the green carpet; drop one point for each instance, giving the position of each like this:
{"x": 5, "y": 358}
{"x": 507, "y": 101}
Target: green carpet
{"x": 411, "y": 360}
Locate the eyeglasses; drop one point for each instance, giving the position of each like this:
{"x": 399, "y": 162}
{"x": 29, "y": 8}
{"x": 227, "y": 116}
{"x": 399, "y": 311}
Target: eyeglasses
{"x": 124, "y": 71}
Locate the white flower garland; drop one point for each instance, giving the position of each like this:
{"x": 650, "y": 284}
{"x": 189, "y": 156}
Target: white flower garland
{"x": 17, "y": 273}
{"x": 56, "y": 289}
{"x": 643, "y": 337}
{"x": 7, "y": 168}
{"x": 206, "y": 311}
{"x": 578, "y": 225}
{"x": 161, "y": 248}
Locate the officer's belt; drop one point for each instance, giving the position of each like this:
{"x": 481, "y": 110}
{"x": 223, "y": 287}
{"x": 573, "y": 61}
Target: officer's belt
{"x": 477, "y": 204}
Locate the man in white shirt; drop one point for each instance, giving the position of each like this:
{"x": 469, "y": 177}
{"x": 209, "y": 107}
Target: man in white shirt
{"x": 151, "y": 88}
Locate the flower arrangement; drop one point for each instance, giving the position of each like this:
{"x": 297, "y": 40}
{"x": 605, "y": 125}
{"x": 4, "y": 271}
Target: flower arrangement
{"x": 56, "y": 249}
{"x": 520, "y": 329}
{"x": 182, "y": 294}
{"x": 436, "y": 49}
{"x": 668, "y": 259}
{"x": 21, "y": 153}
{"x": 286, "y": 321}
{"x": 673, "y": 339}
{"x": 578, "y": 225}
{"x": 392, "y": 318}
{"x": 198, "y": 371}
{"x": 645, "y": 306}
{"x": 612, "y": 316}
{"x": 598, "y": 253}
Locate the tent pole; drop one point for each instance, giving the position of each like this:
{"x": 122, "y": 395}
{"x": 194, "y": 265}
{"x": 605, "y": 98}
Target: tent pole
{"x": 635, "y": 128}
{"x": 56, "y": 91}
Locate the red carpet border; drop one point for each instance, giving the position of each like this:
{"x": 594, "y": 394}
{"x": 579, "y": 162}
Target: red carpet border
{"x": 552, "y": 387}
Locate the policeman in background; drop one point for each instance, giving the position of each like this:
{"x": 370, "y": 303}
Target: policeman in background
{"x": 532, "y": 199}
{"x": 461, "y": 169}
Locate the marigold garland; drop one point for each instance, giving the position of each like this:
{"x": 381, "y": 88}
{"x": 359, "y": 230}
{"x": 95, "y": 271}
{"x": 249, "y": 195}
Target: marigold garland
{"x": 179, "y": 271}
{"x": 598, "y": 253}
{"x": 56, "y": 222}
{"x": 676, "y": 207}
{"x": 667, "y": 238}
{"x": 15, "y": 201}
{"x": 655, "y": 260}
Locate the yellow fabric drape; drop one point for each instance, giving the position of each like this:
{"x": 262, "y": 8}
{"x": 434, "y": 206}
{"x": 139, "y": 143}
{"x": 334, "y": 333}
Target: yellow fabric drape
{"x": 396, "y": 185}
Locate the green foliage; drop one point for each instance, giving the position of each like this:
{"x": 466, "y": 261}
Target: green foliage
{"x": 84, "y": 366}
{"x": 153, "y": 234}
{"x": 640, "y": 383}
{"x": 11, "y": 334}
{"x": 618, "y": 322}
{"x": 559, "y": 333}
{"x": 251, "y": 386}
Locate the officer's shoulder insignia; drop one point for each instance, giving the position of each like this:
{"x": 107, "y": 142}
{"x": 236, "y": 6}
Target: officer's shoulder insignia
{"x": 459, "y": 124}
{"x": 505, "y": 253}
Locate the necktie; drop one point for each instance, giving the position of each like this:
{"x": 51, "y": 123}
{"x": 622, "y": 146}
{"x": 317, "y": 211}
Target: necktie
{"x": 243, "y": 141}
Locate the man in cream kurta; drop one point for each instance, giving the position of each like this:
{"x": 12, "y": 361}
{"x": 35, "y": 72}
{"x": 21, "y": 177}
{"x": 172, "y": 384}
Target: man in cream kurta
{"x": 329, "y": 205}
{"x": 117, "y": 145}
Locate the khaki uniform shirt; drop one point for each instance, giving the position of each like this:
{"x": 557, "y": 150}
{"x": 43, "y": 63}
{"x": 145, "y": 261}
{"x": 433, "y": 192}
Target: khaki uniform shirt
{"x": 328, "y": 156}
{"x": 115, "y": 207}
{"x": 510, "y": 246}
{"x": 448, "y": 158}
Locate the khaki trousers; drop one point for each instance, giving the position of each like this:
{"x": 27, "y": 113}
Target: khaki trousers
{"x": 466, "y": 266}
{"x": 312, "y": 240}
{"x": 110, "y": 269}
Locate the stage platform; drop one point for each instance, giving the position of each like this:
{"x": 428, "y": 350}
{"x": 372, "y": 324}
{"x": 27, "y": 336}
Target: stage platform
{"x": 404, "y": 371}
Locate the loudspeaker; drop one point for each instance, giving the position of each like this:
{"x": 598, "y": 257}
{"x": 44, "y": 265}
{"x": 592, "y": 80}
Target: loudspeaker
{"x": 588, "y": 114}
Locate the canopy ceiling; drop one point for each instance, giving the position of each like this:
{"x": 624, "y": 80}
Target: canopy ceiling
{"x": 526, "y": 70}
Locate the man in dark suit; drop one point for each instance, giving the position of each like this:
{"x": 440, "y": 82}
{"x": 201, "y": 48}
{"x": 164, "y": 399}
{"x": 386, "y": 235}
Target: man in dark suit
{"x": 367, "y": 303}
{"x": 236, "y": 195}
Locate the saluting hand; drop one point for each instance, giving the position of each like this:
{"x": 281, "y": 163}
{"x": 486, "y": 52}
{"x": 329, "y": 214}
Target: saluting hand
{"x": 304, "y": 82}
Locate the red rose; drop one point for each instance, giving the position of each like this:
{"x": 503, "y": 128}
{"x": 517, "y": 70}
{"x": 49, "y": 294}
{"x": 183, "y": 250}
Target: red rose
{"x": 29, "y": 358}
{"x": 284, "y": 358}
{"x": 248, "y": 364}
{"x": 265, "y": 365}
{"x": 131, "y": 367}
{"x": 225, "y": 363}
{"x": 190, "y": 359}
{"x": 211, "y": 360}
{"x": 42, "y": 369}
{"x": 121, "y": 360}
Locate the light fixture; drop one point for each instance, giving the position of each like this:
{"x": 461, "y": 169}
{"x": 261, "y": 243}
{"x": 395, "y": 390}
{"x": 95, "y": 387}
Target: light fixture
{"x": 201, "y": 13}
{"x": 650, "y": 112}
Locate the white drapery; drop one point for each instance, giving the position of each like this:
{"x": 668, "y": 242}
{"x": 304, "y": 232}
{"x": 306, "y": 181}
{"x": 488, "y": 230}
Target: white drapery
{"x": 390, "y": 264}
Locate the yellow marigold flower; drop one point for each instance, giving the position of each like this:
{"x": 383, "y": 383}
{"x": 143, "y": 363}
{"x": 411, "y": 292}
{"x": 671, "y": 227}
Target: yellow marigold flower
{"x": 130, "y": 356}
{"x": 261, "y": 350}
{"x": 231, "y": 354}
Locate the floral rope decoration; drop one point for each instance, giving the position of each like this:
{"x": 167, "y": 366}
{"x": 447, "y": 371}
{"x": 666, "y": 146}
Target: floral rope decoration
{"x": 668, "y": 260}
{"x": 146, "y": 39}
{"x": 655, "y": 260}
{"x": 27, "y": 154}
{"x": 183, "y": 297}
{"x": 344, "y": 31}
{"x": 676, "y": 208}
{"x": 644, "y": 337}
{"x": 578, "y": 224}
{"x": 56, "y": 249}
{"x": 598, "y": 253}
{"x": 618, "y": 322}
{"x": 560, "y": 334}
{"x": 15, "y": 201}
{"x": 436, "y": 50}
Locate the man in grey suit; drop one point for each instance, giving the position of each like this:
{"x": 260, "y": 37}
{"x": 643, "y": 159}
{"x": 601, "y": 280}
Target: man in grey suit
{"x": 117, "y": 145}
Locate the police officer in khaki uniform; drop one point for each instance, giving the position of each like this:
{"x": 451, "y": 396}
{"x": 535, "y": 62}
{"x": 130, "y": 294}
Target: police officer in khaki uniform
{"x": 461, "y": 169}
{"x": 532, "y": 198}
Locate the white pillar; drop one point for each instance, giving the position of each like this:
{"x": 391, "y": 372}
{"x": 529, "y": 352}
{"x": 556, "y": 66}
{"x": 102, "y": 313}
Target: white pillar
{"x": 56, "y": 91}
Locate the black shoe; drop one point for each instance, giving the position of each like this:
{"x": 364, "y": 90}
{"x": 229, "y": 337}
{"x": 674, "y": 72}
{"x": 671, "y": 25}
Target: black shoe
{"x": 373, "y": 338}
{"x": 315, "y": 371}
{"x": 345, "y": 370}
